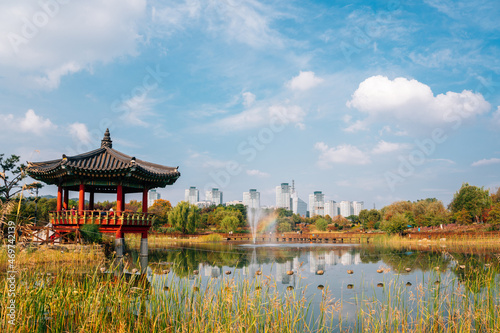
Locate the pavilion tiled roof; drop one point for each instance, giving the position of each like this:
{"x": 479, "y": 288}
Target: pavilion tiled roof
{"x": 103, "y": 162}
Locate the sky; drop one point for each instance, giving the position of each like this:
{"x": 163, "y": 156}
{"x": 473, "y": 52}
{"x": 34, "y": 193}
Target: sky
{"x": 373, "y": 101}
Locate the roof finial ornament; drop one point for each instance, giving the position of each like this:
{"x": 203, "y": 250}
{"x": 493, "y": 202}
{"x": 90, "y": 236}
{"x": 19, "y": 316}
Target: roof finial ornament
{"x": 106, "y": 141}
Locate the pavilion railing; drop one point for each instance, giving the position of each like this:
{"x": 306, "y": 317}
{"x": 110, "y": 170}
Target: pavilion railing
{"x": 73, "y": 217}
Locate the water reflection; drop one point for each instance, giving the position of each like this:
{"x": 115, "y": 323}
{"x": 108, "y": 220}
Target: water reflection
{"x": 342, "y": 267}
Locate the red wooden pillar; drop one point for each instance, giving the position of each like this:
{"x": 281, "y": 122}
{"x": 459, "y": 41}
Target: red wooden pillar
{"x": 91, "y": 200}
{"x": 66, "y": 199}
{"x": 145, "y": 200}
{"x": 123, "y": 201}
{"x": 119, "y": 198}
{"x": 59, "y": 198}
{"x": 81, "y": 199}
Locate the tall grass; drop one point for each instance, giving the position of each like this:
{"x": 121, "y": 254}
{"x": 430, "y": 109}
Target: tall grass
{"x": 65, "y": 302}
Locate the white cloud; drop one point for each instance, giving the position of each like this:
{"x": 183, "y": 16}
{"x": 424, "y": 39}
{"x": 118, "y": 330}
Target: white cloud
{"x": 248, "y": 99}
{"x": 246, "y": 22}
{"x": 486, "y": 162}
{"x": 304, "y": 81}
{"x": 39, "y": 44}
{"x": 277, "y": 114}
{"x": 384, "y": 147}
{"x": 81, "y": 132}
{"x": 409, "y": 102}
{"x": 136, "y": 108}
{"x": 359, "y": 125}
{"x": 257, "y": 173}
{"x": 342, "y": 154}
{"x": 496, "y": 116}
{"x": 35, "y": 124}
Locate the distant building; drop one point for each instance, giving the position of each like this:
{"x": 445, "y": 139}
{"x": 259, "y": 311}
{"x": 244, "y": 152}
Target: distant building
{"x": 214, "y": 196}
{"x": 299, "y": 206}
{"x": 316, "y": 204}
{"x": 234, "y": 202}
{"x": 331, "y": 208}
{"x": 346, "y": 208}
{"x": 152, "y": 196}
{"x": 357, "y": 206}
{"x": 283, "y": 196}
{"x": 203, "y": 204}
{"x": 251, "y": 199}
{"x": 192, "y": 195}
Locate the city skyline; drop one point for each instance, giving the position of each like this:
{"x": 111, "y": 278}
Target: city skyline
{"x": 284, "y": 193}
{"x": 377, "y": 101}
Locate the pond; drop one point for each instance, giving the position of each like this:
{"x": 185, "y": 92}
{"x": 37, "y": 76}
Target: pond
{"x": 352, "y": 277}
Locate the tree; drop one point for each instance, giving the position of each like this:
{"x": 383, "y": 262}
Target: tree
{"x": 284, "y": 224}
{"x": 473, "y": 199}
{"x": 353, "y": 219}
{"x": 369, "y": 218}
{"x": 229, "y": 223}
{"x": 11, "y": 175}
{"x": 396, "y": 224}
{"x": 184, "y": 217}
{"x": 321, "y": 224}
{"x": 134, "y": 206}
{"x": 494, "y": 215}
{"x": 495, "y": 197}
{"x": 161, "y": 208}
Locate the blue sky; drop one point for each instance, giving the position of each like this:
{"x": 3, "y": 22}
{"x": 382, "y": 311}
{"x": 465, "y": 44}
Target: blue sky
{"x": 373, "y": 101}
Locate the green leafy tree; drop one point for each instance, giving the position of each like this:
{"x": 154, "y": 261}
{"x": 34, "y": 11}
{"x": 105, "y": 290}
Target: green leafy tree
{"x": 396, "y": 224}
{"x": 475, "y": 200}
{"x": 494, "y": 215}
{"x": 321, "y": 224}
{"x": 229, "y": 223}
{"x": 354, "y": 219}
{"x": 184, "y": 217}
{"x": 284, "y": 224}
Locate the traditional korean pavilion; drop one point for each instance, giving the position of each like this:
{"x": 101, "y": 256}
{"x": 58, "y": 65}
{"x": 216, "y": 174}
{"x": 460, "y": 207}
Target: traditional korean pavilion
{"x": 103, "y": 170}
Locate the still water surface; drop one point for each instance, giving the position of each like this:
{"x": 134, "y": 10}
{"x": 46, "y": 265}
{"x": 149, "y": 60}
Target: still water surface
{"x": 349, "y": 273}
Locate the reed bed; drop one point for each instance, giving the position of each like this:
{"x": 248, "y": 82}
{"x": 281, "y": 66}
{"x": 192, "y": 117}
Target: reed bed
{"x": 159, "y": 240}
{"x": 434, "y": 305}
{"x": 96, "y": 302}
{"x": 476, "y": 243}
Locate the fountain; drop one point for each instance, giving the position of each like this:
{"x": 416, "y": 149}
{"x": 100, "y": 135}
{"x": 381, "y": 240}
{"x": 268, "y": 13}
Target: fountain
{"x": 253, "y": 215}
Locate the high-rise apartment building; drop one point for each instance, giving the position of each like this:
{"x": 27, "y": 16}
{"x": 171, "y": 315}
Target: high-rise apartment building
{"x": 214, "y": 196}
{"x": 192, "y": 195}
{"x": 316, "y": 204}
{"x": 251, "y": 199}
{"x": 346, "y": 208}
{"x": 331, "y": 208}
{"x": 283, "y": 196}
{"x": 357, "y": 206}
{"x": 299, "y": 206}
{"x": 152, "y": 196}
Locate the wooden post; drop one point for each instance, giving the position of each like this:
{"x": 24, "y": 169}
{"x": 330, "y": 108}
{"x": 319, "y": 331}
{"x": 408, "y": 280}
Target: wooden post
{"x": 66, "y": 199}
{"x": 81, "y": 199}
{"x": 59, "y": 198}
{"x": 145, "y": 200}
{"x": 91, "y": 200}
{"x": 119, "y": 198}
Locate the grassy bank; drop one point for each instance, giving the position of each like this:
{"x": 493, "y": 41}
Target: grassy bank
{"x": 452, "y": 241}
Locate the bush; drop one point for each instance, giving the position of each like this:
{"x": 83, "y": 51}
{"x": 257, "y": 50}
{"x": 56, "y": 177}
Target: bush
{"x": 90, "y": 233}
{"x": 321, "y": 224}
{"x": 396, "y": 224}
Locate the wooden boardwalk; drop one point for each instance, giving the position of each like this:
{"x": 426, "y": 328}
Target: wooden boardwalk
{"x": 292, "y": 237}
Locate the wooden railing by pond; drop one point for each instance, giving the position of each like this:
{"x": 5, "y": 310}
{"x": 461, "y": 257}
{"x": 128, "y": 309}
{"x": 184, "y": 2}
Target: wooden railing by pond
{"x": 293, "y": 237}
{"x": 104, "y": 218}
